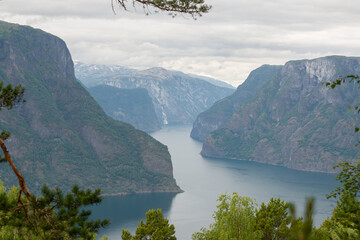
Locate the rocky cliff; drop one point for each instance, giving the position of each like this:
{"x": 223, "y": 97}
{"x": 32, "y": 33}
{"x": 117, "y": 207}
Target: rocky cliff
{"x": 295, "y": 121}
{"x": 61, "y": 136}
{"x": 220, "y": 113}
{"x": 177, "y": 97}
{"x": 133, "y": 106}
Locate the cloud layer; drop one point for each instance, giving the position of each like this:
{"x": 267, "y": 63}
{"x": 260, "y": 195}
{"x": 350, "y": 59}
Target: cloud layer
{"x": 227, "y": 43}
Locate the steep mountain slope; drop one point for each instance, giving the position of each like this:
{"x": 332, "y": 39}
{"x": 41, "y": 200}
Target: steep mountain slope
{"x": 133, "y": 106}
{"x": 61, "y": 136}
{"x": 177, "y": 98}
{"x": 220, "y": 113}
{"x": 294, "y": 121}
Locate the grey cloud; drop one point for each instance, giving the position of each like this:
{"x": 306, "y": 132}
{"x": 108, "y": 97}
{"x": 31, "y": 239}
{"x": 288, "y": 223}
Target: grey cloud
{"x": 235, "y": 37}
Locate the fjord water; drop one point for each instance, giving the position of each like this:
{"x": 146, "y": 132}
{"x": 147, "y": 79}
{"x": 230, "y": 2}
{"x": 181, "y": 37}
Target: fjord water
{"x": 203, "y": 180}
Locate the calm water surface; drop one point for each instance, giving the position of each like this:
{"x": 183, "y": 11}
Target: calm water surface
{"x": 203, "y": 180}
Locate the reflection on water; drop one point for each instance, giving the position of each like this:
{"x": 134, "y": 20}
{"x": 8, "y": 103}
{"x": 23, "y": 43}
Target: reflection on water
{"x": 203, "y": 180}
{"x": 126, "y": 211}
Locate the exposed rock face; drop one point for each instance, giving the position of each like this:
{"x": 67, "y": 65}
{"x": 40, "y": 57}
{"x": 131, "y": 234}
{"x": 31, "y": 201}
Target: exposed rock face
{"x": 177, "y": 98}
{"x": 295, "y": 121}
{"x": 220, "y": 113}
{"x": 61, "y": 136}
{"x": 133, "y": 106}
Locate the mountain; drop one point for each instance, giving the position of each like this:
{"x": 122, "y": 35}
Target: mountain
{"x": 133, "y": 106}
{"x": 212, "y": 81}
{"x": 61, "y": 136}
{"x": 177, "y": 98}
{"x": 91, "y": 74}
{"x": 220, "y": 113}
{"x": 294, "y": 120}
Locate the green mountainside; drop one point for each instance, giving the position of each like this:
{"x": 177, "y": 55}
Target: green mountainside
{"x": 61, "y": 136}
{"x": 220, "y": 113}
{"x": 133, "y": 106}
{"x": 294, "y": 120}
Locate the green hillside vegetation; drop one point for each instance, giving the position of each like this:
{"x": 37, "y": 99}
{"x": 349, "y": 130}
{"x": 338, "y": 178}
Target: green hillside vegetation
{"x": 61, "y": 136}
{"x": 133, "y": 106}
{"x": 220, "y": 113}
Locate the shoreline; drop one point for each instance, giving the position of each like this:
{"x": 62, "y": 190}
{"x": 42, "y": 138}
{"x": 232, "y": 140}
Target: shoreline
{"x": 272, "y": 164}
{"x": 140, "y": 192}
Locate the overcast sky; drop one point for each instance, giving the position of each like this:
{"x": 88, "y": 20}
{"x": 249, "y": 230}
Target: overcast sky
{"x": 234, "y": 38}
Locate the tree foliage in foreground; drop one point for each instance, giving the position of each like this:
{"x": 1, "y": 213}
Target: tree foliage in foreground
{"x": 155, "y": 227}
{"x": 9, "y": 96}
{"x": 234, "y": 219}
{"x": 193, "y": 7}
{"x": 51, "y": 216}
{"x": 273, "y": 219}
{"x": 345, "y": 221}
{"x": 237, "y": 218}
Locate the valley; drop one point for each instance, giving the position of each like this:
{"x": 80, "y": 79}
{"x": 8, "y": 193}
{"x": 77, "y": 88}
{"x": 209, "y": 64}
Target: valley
{"x": 204, "y": 179}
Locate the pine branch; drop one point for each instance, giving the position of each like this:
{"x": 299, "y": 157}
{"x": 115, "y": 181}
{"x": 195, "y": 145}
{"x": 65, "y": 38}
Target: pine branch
{"x": 173, "y": 7}
{"x": 21, "y": 179}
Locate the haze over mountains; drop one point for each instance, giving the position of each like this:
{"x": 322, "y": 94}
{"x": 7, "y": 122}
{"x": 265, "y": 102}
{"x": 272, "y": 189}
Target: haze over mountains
{"x": 177, "y": 98}
{"x": 91, "y": 74}
{"x": 61, "y": 136}
{"x": 292, "y": 120}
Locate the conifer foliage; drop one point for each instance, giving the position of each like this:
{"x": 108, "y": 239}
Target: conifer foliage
{"x": 195, "y": 8}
